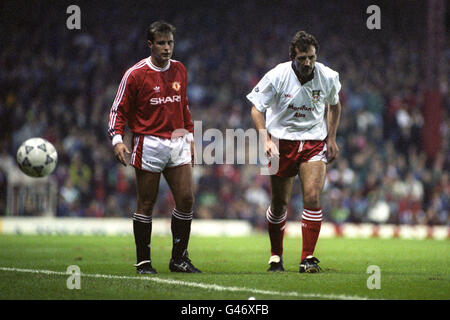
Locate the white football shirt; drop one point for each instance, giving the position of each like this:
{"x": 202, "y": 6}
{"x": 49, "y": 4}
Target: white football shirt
{"x": 295, "y": 111}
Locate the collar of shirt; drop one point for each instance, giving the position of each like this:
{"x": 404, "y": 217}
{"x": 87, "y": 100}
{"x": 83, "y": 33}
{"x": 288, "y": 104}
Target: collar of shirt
{"x": 152, "y": 66}
{"x": 299, "y": 77}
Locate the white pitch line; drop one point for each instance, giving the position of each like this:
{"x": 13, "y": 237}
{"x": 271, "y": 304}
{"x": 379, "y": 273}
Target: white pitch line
{"x": 196, "y": 285}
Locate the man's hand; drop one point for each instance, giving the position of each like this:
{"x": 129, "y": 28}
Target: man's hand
{"x": 119, "y": 151}
{"x": 271, "y": 149}
{"x": 332, "y": 150}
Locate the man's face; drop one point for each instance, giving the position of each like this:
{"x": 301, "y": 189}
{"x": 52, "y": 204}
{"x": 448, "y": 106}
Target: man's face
{"x": 162, "y": 47}
{"x": 305, "y": 60}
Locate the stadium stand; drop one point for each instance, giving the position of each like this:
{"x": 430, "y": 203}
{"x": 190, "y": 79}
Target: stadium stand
{"x": 59, "y": 84}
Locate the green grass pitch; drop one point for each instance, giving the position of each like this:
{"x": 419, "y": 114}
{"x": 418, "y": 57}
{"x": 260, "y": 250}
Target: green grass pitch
{"x": 233, "y": 269}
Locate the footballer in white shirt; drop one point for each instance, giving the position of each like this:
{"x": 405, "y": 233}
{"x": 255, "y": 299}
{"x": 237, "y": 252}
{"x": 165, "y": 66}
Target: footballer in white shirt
{"x": 295, "y": 96}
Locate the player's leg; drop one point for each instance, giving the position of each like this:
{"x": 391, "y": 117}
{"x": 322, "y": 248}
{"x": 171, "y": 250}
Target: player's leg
{"x": 147, "y": 184}
{"x": 180, "y": 182}
{"x": 312, "y": 177}
{"x": 276, "y": 218}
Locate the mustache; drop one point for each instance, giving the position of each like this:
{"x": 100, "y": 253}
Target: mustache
{"x": 302, "y": 68}
{"x": 305, "y": 70}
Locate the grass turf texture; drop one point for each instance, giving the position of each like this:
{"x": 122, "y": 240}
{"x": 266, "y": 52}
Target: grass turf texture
{"x": 410, "y": 269}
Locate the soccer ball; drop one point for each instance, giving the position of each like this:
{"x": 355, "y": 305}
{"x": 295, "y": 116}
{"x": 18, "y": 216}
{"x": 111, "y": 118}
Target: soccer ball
{"x": 37, "y": 157}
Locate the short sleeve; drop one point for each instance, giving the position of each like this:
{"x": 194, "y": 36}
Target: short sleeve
{"x": 333, "y": 96}
{"x": 263, "y": 94}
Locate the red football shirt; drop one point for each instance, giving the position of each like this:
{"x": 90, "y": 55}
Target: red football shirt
{"x": 152, "y": 100}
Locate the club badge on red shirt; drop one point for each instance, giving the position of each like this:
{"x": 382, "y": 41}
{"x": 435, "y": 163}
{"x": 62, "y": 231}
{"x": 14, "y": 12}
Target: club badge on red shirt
{"x": 176, "y": 86}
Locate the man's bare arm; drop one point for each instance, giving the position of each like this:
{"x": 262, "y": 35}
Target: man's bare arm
{"x": 260, "y": 125}
{"x": 334, "y": 115}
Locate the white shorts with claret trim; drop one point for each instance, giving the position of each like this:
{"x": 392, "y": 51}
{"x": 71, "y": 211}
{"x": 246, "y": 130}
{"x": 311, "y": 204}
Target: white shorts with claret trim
{"x": 154, "y": 154}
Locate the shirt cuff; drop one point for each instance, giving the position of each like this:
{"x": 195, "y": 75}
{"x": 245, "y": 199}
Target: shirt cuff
{"x": 189, "y": 137}
{"x": 117, "y": 139}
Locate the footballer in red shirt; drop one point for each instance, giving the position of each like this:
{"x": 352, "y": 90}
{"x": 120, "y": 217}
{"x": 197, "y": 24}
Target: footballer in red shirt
{"x": 152, "y": 101}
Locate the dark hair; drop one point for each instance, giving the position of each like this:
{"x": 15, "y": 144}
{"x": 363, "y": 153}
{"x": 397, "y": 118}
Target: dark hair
{"x": 302, "y": 40}
{"x": 159, "y": 26}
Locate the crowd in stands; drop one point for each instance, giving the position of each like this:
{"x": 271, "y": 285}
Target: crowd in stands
{"x": 60, "y": 84}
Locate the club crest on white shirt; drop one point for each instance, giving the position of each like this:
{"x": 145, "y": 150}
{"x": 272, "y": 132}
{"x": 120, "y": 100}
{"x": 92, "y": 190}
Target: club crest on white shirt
{"x": 315, "y": 95}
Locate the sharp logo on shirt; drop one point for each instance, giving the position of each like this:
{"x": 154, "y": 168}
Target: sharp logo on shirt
{"x": 176, "y": 86}
{"x": 315, "y": 95}
{"x": 164, "y": 100}
{"x": 288, "y": 95}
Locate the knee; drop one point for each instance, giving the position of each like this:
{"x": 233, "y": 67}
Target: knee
{"x": 311, "y": 199}
{"x": 145, "y": 206}
{"x": 278, "y": 206}
{"x": 185, "y": 202}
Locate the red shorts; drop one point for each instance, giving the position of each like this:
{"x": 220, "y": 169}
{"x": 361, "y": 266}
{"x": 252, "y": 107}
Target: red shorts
{"x": 293, "y": 153}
